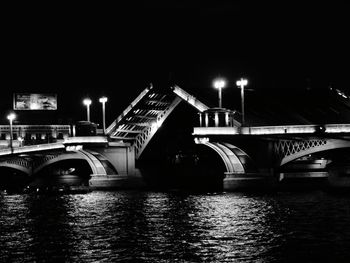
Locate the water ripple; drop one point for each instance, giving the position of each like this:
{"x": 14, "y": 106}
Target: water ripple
{"x": 175, "y": 227}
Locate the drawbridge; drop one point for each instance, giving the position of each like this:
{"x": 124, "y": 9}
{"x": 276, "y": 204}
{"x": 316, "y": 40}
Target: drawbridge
{"x": 135, "y": 126}
{"x": 139, "y": 122}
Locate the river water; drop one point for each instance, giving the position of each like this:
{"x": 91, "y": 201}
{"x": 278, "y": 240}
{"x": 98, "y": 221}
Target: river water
{"x": 131, "y": 226}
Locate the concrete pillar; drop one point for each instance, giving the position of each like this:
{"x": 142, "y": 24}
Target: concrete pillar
{"x": 130, "y": 158}
{"x": 249, "y": 181}
{"x": 339, "y": 177}
{"x": 227, "y": 119}
{"x": 206, "y": 120}
{"x": 123, "y": 160}
{"x": 216, "y": 116}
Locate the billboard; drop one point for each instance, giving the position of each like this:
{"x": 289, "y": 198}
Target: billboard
{"x": 34, "y": 101}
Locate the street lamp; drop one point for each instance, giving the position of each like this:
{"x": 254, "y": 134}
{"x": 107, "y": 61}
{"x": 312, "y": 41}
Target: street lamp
{"x": 103, "y": 100}
{"x": 219, "y": 84}
{"x": 11, "y": 117}
{"x": 87, "y": 102}
{"x": 241, "y": 84}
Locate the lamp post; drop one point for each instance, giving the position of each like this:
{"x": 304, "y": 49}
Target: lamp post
{"x": 87, "y": 103}
{"x": 219, "y": 84}
{"x": 241, "y": 84}
{"x": 103, "y": 100}
{"x": 11, "y": 117}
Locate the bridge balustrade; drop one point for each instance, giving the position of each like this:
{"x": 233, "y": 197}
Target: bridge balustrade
{"x": 33, "y": 134}
{"x": 217, "y": 117}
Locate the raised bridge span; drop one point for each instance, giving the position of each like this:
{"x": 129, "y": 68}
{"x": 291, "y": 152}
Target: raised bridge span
{"x": 245, "y": 152}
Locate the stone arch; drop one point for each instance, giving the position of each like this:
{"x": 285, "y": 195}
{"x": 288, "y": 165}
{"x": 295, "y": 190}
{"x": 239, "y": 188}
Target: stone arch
{"x": 17, "y": 167}
{"x": 108, "y": 166}
{"x": 17, "y": 163}
{"x": 94, "y": 163}
{"x": 247, "y": 162}
{"x": 330, "y": 144}
{"x": 231, "y": 161}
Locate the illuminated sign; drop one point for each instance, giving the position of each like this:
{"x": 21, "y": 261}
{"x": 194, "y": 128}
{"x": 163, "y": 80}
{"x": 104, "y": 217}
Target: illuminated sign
{"x": 34, "y": 101}
{"x": 73, "y": 148}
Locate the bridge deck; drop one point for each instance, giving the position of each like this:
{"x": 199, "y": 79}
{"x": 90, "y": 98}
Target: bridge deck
{"x": 271, "y": 130}
{"x": 58, "y": 145}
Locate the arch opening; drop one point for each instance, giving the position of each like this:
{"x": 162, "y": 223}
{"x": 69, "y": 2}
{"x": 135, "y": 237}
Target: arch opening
{"x": 198, "y": 168}
{"x": 13, "y": 180}
{"x": 63, "y": 173}
{"x": 209, "y": 163}
{"x": 332, "y": 144}
{"x": 195, "y": 168}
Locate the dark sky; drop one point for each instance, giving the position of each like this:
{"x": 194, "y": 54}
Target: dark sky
{"x": 80, "y": 50}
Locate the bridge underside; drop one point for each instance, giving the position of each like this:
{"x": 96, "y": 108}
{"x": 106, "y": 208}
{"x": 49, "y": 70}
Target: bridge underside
{"x": 77, "y": 165}
{"x": 275, "y": 154}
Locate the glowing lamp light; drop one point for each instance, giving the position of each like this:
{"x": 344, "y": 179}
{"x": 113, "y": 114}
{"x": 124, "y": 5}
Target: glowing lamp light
{"x": 219, "y": 83}
{"x": 20, "y": 140}
{"x": 242, "y": 82}
{"x": 11, "y": 116}
{"x": 87, "y": 102}
{"x": 203, "y": 140}
{"x": 103, "y": 99}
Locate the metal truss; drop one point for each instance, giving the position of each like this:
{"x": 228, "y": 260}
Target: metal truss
{"x": 143, "y": 138}
{"x": 143, "y": 117}
{"x": 141, "y": 120}
{"x": 284, "y": 148}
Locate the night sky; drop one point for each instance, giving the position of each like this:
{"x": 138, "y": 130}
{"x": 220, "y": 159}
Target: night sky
{"x": 93, "y": 50}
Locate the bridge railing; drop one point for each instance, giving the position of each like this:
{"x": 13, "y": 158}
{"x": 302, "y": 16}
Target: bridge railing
{"x": 71, "y": 143}
{"x": 33, "y": 134}
{"x": 31, "y": 148}
{"x": 265, "y": 130}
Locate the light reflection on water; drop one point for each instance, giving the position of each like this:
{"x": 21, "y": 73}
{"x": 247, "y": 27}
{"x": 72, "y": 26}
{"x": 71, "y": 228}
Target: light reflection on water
{"x": 175, "y": 227}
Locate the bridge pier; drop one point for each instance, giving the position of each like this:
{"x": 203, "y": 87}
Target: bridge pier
{"x": 339, "y": 176}
{"x": 123, "y": 174}
{"x": 259, "y": 181}
{"x": 114, "y": 182}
